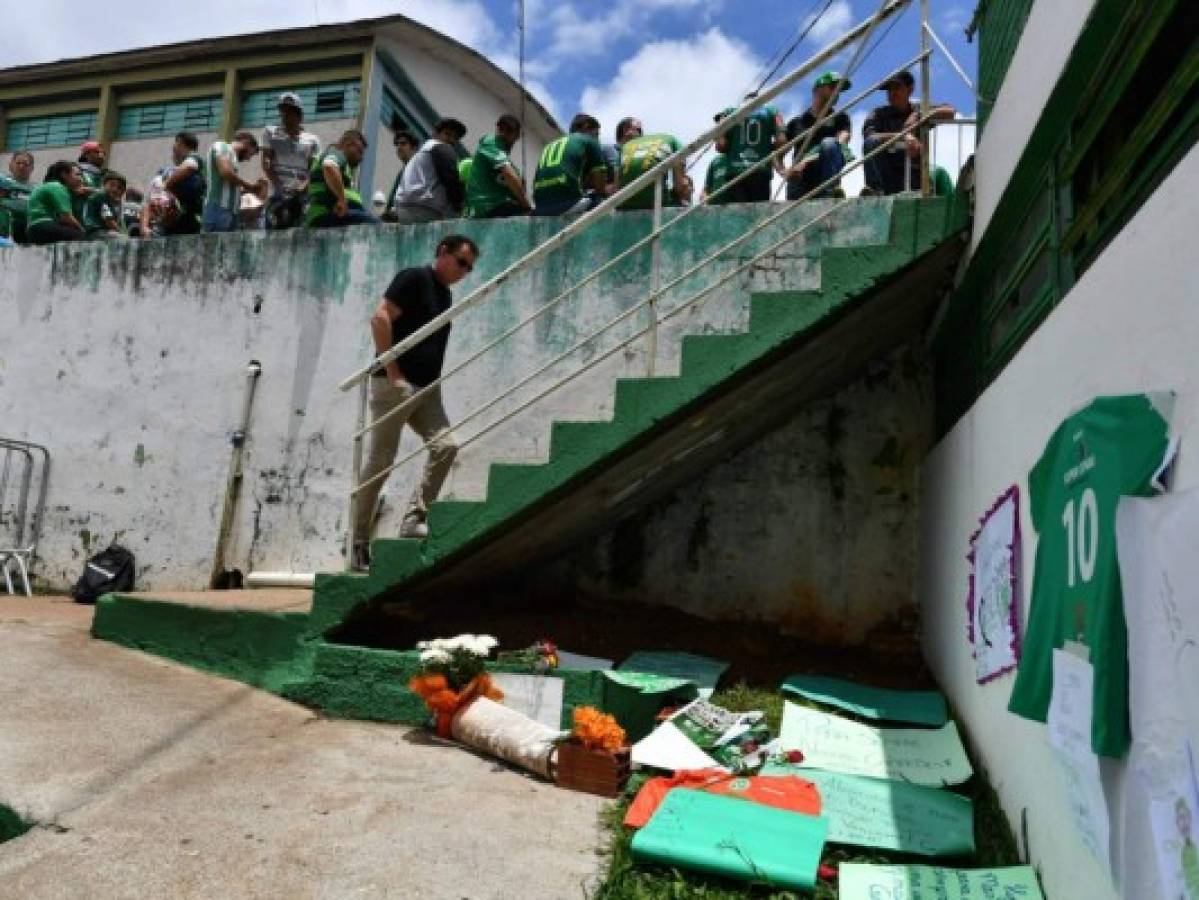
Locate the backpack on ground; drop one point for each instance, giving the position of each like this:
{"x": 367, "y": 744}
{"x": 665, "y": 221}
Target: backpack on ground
{"x": 108, "y": 571}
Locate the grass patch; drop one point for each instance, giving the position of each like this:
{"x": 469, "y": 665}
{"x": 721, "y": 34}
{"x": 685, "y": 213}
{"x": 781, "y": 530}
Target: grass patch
{"x": 627, "y": 880}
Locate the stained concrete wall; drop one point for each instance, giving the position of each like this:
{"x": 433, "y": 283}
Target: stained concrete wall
{"x": 811, "y": 529}
{"x": 128, "y": 361}
{"x": 1129, "y": 325}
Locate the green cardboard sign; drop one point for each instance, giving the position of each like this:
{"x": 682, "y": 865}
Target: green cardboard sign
{"x": 917, "y": 707}
{"x": 890, "y": 815}
{"x": 703, "y": 671}
{"x": 731, "y": 838}
{"x": 857, "y": 881}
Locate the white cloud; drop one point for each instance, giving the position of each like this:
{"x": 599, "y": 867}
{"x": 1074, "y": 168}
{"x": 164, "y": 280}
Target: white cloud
{"x": 577, "y": 30}
{"x": 464, "y": 20}
{"x": 833, "y": 24}
{"x": 661, "y": 82}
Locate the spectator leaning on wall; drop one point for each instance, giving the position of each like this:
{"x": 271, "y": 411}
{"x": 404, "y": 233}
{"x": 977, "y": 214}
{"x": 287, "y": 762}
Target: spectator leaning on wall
{"x": 91, "y": 165}
{"x": 430, "y": 188}
{"x": 827, "y": 146}
{"x": 571, "y": 175}
{"x": 640, "y": 154}
{"x": 287, "y": 154}
{"x": 15, "y": 188}
{"x": 185, "y": 182}
{"x": 885, "y": 172}
{"x": 51, "y": 218}
{"x": 332, "y": 200}
{"x": 405, "y": 144}
{"x": 222, "y": 201}
{"x": 495, "y": 189}
{"x": 414, "y": 298}
{"x": 103, "y": 209}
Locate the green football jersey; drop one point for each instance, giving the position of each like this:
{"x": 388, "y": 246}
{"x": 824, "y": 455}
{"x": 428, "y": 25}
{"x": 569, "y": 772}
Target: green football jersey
{"x": 485, "y": 189}
{"x": 565, "y": 168}
{"x": 48, "y": 201}
{"x": 321, "y": 199}
{"x": 753, "y": 140}
{"x": 1114, "y": 447}
{"x": 719, "y": 174}
{"x": 637, "y": 157}
{"x": 96, "y": 208}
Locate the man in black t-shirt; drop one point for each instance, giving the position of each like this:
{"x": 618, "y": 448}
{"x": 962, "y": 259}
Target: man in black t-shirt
{"x": 827, "y": 147}
{"x": 885, "y": 172}
{"x": 414, "y": 298}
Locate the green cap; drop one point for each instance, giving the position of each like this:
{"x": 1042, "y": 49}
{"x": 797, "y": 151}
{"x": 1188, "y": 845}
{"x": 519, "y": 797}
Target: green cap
{"x": 831, "y": 77}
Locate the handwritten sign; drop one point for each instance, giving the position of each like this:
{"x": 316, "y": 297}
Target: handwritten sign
{"x": 994, "y": 594}
{"x": 875, "y": 812}
{"x": 857, "y": 881}
{"x": 1069, "y": 724}
{"x": 921, "y": 756}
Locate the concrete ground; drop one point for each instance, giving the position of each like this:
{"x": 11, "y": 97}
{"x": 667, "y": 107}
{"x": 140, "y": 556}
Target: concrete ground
{"x": 149, "y": 780}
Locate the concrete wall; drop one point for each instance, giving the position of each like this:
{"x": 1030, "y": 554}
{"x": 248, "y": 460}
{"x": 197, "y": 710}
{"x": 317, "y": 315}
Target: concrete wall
{"x": 128, "y": 362}
{"x": 1049, "y": 36}
{"x": 1129, "y": 325}
{"x": 812, "y": 529}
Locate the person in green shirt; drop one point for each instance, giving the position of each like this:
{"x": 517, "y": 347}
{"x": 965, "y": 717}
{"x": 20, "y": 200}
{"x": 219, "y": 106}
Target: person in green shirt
{"x": 495, "y": 188}
{"x": 571, "y": 174}
{"x": 332, "y": 200}
{"x": 103, "y": 209}
{"x": 186, "y": 184}
{"x": 750, "y": 142}
{"x": 718, "y": 174}
{"x": 640, "y": 154}
{"x": 91, "y": 166}
{"x": 15, "y": 188}
{"x": 50, "y": 216}
{"x": 222, "y": 200}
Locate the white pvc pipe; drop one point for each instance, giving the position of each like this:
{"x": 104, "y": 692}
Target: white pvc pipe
{"x": 280, "y": 580}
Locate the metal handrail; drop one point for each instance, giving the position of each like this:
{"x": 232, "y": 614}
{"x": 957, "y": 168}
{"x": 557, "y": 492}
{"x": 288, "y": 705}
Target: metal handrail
{"x": 724, "y": 279}
{"x": 584, "y": 222}
{"x": 779, "y": 152}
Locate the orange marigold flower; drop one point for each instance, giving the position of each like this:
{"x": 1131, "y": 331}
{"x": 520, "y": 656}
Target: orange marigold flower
{"x": 442, "y": 701}
{"x": 597, "y": 730}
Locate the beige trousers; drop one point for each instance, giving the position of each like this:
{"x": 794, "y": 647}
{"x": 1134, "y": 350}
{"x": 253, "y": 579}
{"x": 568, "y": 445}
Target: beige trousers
{"x": 428, "y": 419}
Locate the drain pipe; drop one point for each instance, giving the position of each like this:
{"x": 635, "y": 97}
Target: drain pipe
{"x": 280, "y": 580}
{"x": 221, "y": 578}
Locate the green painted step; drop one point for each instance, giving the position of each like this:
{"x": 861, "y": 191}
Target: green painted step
{"x": 641, "y": 405}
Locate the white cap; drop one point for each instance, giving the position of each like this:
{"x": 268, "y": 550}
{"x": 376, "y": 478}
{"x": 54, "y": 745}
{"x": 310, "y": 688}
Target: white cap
{"x": 380, "y": 199}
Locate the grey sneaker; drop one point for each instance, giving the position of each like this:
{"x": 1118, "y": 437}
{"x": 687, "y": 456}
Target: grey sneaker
{"x": 362, "y": 557}
{"x": 414, "y": 526}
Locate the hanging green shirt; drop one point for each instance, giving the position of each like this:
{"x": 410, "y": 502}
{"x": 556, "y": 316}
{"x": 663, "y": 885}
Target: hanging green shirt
{"x": 565, "y": 168}
{"x": 96, "y": 208}
{"x": 320, "y": 198}
{"x": 719, "y": 173}
{"x": 638, "y": 156}
{"x": 1190, "y": 868}
{"x": 1114, "y": 447}
{"x": 485, "y": 190}
{"x": 753, "y": 140}
{"x": 48, "y": 201}
{"x": 464, "y": 168}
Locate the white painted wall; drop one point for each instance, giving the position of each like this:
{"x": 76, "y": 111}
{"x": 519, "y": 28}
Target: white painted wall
{"x": 1045, "y": 46}
{"x": 105, "y": 349}
{"x": 1129, "y": 325}
{"x": 453, "y": 93}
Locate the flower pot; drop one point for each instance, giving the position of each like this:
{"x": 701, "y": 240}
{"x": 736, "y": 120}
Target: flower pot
{"x": 602, "y": 772}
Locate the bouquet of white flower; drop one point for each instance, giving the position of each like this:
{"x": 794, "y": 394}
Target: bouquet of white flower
{"x": 460, "y": 659}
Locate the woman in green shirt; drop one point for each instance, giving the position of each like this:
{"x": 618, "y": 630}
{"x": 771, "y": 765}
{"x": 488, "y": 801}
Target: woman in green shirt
{"x": 50, "y": 216}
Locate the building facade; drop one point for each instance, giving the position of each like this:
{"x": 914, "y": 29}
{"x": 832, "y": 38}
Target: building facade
{"x": 362, "y": 75}
{"x": 1079, "y": 282}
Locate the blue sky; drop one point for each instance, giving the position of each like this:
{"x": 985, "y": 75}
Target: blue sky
{"x": 671, "y": 62}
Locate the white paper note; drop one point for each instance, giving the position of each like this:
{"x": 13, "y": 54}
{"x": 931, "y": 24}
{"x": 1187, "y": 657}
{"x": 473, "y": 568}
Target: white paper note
{"x": 537, "y": 696}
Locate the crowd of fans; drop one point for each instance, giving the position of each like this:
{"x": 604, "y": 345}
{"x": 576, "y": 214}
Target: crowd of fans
{"x": 305, "y": 184}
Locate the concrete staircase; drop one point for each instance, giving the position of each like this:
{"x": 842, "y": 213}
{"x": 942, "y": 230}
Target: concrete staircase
{"x": 729, "y": 389}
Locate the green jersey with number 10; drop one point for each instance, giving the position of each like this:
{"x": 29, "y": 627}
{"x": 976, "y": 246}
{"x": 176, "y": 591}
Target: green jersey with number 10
{"x": 753, "y": 140}
{"x": 1113, "y": 447}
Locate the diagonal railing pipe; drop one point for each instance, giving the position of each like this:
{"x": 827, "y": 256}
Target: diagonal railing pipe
{"x": 691, "y": 301}
{"x": 584, "y": 222}
{"x": 416, "y": 398}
